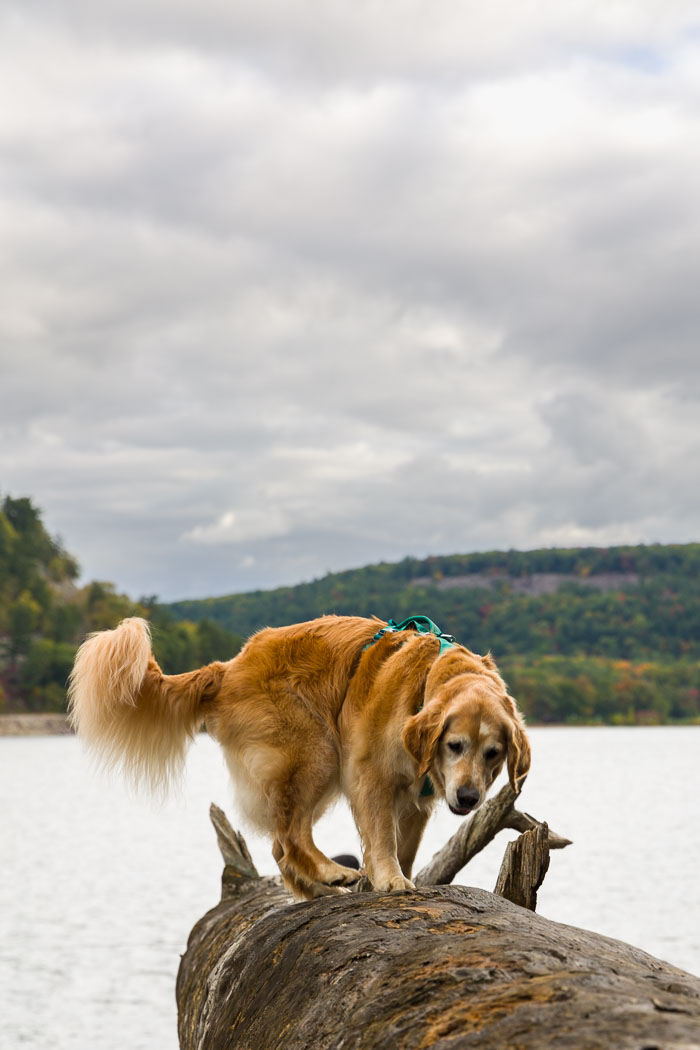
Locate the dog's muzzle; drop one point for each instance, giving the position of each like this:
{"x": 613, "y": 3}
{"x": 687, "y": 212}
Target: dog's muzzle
{"x": 467, "y": 799}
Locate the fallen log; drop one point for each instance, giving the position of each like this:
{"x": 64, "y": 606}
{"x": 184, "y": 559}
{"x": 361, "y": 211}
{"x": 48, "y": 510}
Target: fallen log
{"x": 446, "y": 967}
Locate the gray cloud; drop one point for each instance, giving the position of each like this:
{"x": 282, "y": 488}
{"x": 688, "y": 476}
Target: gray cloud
{"x": 286, "y": 291}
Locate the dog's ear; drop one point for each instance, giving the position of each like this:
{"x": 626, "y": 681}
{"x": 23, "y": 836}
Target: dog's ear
{"x": 518, "y": 748}
{"x": 421, "y": 734}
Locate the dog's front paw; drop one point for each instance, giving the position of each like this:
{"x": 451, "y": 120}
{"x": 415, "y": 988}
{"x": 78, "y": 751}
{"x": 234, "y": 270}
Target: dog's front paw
{"x": 394, "y": 884}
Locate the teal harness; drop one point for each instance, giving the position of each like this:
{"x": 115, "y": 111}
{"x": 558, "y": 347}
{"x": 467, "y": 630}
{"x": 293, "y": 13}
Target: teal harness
{"x": 422, "y": 625}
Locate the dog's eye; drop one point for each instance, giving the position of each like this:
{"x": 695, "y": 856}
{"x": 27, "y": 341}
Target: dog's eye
{"x": 455, "y": 746}
{"x": 491, "y": 753}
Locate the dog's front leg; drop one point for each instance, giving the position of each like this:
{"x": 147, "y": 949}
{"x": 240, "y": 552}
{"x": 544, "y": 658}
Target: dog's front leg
{"x": 373, "y": 806}
{"x": 410, "y": 831}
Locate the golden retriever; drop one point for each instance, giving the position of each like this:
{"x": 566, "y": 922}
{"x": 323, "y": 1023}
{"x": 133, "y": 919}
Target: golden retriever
{"x": 305, "y": 713}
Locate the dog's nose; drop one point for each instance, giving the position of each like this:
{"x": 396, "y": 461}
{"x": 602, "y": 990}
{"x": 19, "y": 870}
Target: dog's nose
{"x": 467, "y": 797}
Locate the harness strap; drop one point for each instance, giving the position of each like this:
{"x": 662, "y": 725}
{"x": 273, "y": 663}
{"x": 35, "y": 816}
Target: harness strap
{"x": 422, "y": 625}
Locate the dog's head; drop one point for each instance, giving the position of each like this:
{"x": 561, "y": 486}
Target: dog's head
{"x": 468, "y": 728}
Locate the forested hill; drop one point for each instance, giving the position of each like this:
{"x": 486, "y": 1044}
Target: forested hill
{"x": 587, "y": 634}
{"x": 623, "y": 602}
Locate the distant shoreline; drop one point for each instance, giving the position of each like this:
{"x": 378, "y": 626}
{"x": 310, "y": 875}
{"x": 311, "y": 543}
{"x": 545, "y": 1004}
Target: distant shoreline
{"x": 35, "y": 724}
{"x": 46, "y": 724}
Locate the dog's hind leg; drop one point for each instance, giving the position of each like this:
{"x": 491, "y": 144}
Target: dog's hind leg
{"x": 299, "y": 890}
{"x": 295, "y": 796}
{"x": 284, "y": 795}
{"x": 328, "y": 871}
{"x": 306, "y": 871}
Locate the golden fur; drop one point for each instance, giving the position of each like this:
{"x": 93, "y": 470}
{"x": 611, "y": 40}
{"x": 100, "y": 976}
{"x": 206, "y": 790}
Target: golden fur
{"x": 303, "y": 714}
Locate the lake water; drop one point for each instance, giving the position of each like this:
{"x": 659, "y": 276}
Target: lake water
{"x": 100, "y": 889}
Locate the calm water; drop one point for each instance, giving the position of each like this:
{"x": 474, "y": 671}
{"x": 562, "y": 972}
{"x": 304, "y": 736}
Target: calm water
{"x": 100, "y": 889}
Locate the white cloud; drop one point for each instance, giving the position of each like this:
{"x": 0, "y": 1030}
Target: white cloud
{"x": 287, "y": 289}
{"x": 239, "y": 527}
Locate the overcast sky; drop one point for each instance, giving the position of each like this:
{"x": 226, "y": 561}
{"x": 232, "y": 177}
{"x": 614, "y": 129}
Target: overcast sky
{"x": 290, "y": 287}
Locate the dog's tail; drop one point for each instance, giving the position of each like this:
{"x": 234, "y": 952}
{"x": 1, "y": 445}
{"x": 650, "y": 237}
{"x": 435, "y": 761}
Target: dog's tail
{"x": 131, "y": 714}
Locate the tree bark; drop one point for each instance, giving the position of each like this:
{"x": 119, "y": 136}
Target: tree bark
{"x": 524, "y": 867}
{"x": 442, "y": 967}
